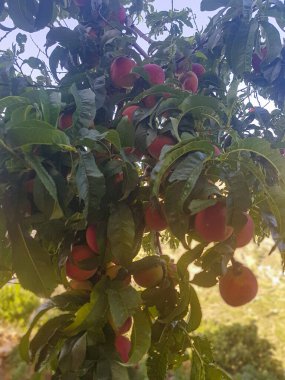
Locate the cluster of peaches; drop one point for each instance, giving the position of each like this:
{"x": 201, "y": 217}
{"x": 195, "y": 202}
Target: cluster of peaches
{"x": 83, "y": 271}
{"x": 123, "y": 77}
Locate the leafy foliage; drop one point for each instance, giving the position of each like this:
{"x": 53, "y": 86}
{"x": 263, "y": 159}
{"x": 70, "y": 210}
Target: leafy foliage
{"x": 242, "y": 353}
{"x": 17, "y": 304}
{"x": 79, "y": 165}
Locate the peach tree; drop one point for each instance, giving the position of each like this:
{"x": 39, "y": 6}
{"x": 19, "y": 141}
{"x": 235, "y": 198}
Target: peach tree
{"x": 125, "y": 143}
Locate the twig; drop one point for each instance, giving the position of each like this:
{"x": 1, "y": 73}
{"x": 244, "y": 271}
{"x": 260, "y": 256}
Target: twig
{"x": 140, "y": 50}
{"x": 157, "y": 235}
{"x": 141, "y": 34}
{"x": 5, "y": 35}
{"x": 40, "y": 50}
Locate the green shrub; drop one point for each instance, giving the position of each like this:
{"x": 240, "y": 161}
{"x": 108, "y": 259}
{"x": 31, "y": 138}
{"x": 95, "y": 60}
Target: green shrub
{"x": 16, "y": 304}
{"x": 243, "y": 354}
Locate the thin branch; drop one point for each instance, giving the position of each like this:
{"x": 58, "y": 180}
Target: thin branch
{"x": 5, "y": 35}
{"x": 40, "y": 50}
{"x": 137, "y": 31}
{"x": 158, "y": 245}
{"x": 140, "y": 50}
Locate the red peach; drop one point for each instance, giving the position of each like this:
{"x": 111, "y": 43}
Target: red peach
{"x": 238, "y": 286}
{"x": 129, "y": 112}
{"x": 155, "y": 73}
{"x": 198, "y": 69}
{"x": 121, "y": 74}
{"x": 244, "y": 236}
{"x": 155, "y": 148}
{"x": 79, "y": 253}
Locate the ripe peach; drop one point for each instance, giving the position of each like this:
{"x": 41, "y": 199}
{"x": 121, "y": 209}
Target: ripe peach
{"x": 65, "y": 121}
{"x": 155, "y": 73}
{"x": 154, "y": 218}
{"x": 129, "y": 112}
{"x": 190, "y": 82}
{"x": 257, "y": 59}
{"x": 198, "y": 69}
{"x": 120, "y": 16}
{"x": 119, "y": 177}
{"x": 238, "y": 286}
{"x": 211, "y": 223}
{"x": 121, "y": 74}
{"x": 148, "y": 278}
{"x": 122, "y": 329}
{"x": 149, "y": 101}
{"x": 81, "y": 285}
{"x": 154, "y": 149}
{"x": 123, "y": 347}
{"x": 91, "y": 238}
{"x": 244, "y": 236}
{"x": 79, "y": 253}
{"x": 217, "y": 151}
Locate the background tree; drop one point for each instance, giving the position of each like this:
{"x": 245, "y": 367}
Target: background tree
{"x": 125, "y": 148}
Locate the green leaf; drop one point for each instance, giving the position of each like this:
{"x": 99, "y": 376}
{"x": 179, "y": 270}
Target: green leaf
{"x": 242, "y": 47}
{"x": 21, "y": 15}
{"x": 273, "y": 41}
{"x": 119, "y": 372}
{"x": 203, "y": 107}
{"x": 178, "y": 221}
{"x": 239, "y": 199}
{"x": 24, "y": 343}
{"x": 91, "y": 314}
{"x": 197, "y": 205}
{"x": 90, "y": 182}
{"x": 215, "y": 373}
{"x": 59, "y": 54}
{"x": 262, "y": 148}
{"x": 126, "y": 132}
{"x": 32, "y": 132}
{"x": 113, "y": 137}
{"x": 43, "y": 175}
{"x": 188, "y": 258}
{"x": 50, "y": 105}
{"x": 44, "y": 202}
{"x": 78, "y": 352}
{"x": 22, "y": 113}
{"x": 212, "y": 5}
{"x": 85, "y": 106}
{"x": 171, "y": 156}
{"x": 130, "y": 179}
{"x": 205, "y": 279}
{"x": 45, "y": 14}
{"x": 278, "y": 12}
{"x": 46, "y": 331}
{"x": 197, "y": 368}
{"x": 141, "y": 336}
{"x": 195, "y": 315}
{"x": 121, "y": 233}
{"x": 123, "y": 303}
{"x": 12, "y": 101}
{"x": 157, "y": 363}
{"x": 196, "y": 162}
{"x": 182, "y": 304}
{"x": 31, "y": 263}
